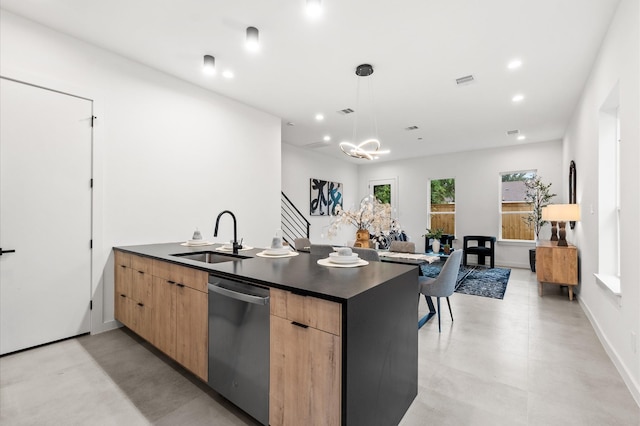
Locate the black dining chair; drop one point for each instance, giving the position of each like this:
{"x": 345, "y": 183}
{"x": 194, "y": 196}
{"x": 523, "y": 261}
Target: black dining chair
{"x": 480, "y": 249}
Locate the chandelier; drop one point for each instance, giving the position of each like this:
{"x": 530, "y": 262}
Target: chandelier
{"x": 368, "y": 149}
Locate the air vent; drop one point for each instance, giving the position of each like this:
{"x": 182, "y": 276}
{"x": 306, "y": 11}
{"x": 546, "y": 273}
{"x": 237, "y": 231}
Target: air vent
{"x": 513, "y": 132}
{"x": 411, "y": 128}
{"x": 316, "y": 145}
{"x": 345, "y": 111}
{"x": 467, "y": 79}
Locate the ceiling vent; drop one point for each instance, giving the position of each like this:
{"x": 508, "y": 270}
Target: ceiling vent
{"x": 513, "y": 132}
{"x": 345, "y": 111}
{"x": 411, "y": 128}
{"x": 467, "y": 79}
{"x": 316, "y": 145}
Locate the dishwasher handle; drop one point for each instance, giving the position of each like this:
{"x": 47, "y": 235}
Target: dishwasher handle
{"x": 244, "y": 297}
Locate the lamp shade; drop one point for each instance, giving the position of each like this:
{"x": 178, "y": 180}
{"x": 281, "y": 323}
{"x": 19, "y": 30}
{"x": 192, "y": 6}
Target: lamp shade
{"x": 545, "y": 213}
{"x": 561, "y": 212}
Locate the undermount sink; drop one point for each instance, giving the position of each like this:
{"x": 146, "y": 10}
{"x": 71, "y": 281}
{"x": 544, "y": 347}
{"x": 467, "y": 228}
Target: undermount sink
{"x": 211, "y": 256}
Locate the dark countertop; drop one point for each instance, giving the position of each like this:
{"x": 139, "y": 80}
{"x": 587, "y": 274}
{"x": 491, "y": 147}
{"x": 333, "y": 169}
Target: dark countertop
{"x": 299, "y": 274}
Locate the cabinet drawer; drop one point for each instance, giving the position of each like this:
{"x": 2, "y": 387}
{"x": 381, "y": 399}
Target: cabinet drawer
{"x": 140, "y": 263}
{"x": 122, "y": 259}
{"x": 190, "y": 277}
{"x": 312, "y": 311}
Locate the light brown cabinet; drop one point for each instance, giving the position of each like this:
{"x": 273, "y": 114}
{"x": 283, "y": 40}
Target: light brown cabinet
{"x": 134, "y": 293}
{"x": 556, "y": 265}
{"x": 167, "y": 305}
{"x": 164, "y": 316}
{"x": 305, "y": 354}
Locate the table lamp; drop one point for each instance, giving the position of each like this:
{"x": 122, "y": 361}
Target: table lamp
{"x": 563, "y": 213}
{"x": 554, "y": 224}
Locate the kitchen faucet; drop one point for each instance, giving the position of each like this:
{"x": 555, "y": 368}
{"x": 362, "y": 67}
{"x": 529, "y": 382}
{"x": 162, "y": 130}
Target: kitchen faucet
{"x": 236, "y": 246}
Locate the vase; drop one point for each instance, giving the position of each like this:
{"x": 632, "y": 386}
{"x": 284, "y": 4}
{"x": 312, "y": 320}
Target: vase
{"x": 362, "y": 238}
{"x": 435, "y": 246}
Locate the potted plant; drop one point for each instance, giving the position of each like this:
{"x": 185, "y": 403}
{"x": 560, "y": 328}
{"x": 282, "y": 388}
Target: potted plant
{"x": 446, "y": 248}
{"x": 435, "y": 234}
{"x": 538, "y": 194}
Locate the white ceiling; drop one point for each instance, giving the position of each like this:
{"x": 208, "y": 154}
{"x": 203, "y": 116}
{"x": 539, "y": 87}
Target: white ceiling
{"x": 417, "y": 47}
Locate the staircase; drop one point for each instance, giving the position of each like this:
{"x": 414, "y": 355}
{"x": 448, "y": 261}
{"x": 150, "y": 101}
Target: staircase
{"x": 293, "y": 223}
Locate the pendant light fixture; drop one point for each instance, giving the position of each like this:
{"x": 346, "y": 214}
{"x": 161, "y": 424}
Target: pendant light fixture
{"x": 252, "y": 41}
{"x": 369, "y": 149}
{"x": 209, "y": 66}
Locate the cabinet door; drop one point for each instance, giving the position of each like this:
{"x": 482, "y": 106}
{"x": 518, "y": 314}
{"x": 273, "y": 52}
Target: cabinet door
{"x": 141, "y": 320}
{"x": 192, "y": 330}
{"x": 142, "y": 287}
{"x": 164, "y": 315}
{"x": 123, "y": 309}
{"x": 123, "y": 283}
{"x": 305, "y": 375}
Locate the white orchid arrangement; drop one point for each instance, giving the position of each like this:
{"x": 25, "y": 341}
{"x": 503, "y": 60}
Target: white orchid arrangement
{"x": 372, "y": 215}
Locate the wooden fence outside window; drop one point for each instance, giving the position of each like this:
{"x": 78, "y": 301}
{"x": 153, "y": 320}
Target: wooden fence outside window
{"x": 513, "y": 225}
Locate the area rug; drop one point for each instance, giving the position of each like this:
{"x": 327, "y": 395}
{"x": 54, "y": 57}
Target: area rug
{"x": 475, "y": 280}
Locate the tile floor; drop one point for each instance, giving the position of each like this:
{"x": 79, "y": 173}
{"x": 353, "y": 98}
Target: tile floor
{"x": 523, "y": 360}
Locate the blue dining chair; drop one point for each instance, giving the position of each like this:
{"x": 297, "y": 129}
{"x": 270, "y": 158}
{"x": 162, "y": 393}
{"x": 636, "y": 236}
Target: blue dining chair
{"x": 444, "y": 284}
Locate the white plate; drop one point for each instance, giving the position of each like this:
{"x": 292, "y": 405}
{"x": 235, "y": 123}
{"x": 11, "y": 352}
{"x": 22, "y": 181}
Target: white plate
{"x": 276, "y": 256}
{"x": 336, "y": 258}
{"x": 327, "y": 262}
{"x": 228, "y": 248}
{"x": 276, "y": 251}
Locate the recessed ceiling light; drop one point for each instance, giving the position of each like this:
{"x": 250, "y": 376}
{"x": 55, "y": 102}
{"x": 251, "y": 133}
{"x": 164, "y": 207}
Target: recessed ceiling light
{"x": 516, "y": 63}
{"x": 227, "y": 74}
{"x": 209, "y": 65}
{"x": 518, "y": 98}
{"x": 521, "y": 137}
{"x": 327, "y": 138}
{"x": 319, "y": 117}
{"x": 314, "y": 8}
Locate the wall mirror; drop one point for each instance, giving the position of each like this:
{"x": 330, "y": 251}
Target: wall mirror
{"x": 572, "y": 188}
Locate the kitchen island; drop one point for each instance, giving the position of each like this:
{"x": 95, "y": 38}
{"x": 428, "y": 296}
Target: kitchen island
{"x": 343, "y": 341}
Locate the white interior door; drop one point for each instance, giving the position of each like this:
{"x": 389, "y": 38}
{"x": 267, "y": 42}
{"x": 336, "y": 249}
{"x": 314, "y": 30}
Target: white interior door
{"x": 45, "y": 215}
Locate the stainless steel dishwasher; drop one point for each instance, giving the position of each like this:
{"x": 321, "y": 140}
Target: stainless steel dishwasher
{"x": 239, "y": 344}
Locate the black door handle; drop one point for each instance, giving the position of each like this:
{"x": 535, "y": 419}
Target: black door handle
{"x": 6, "y": 251}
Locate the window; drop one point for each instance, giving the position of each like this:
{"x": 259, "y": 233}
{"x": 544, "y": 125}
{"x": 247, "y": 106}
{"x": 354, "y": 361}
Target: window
{"x": 609, "y": 187}
{"x": 385, "y": 190}
{"x": 514, "y": 208}
{"x": 442, "y": 205}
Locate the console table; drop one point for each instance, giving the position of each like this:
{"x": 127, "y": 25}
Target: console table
{"x": 556, "y": 265}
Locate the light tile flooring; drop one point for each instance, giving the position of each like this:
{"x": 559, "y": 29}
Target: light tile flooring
{"x": 523, "y": 360}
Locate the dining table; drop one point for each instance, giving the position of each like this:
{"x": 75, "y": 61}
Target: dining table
{"x": 417, "y": 260}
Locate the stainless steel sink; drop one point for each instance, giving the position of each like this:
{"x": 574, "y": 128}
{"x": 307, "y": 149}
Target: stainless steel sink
{"x": 211, "y": 256}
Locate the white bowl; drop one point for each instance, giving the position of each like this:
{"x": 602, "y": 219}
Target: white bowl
{"x": 336, "y": 258}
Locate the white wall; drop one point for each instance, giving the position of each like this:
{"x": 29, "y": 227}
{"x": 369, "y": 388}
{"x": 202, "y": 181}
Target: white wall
{"x": 298, "y": 167}
{"x": 477, "y": 175}
{"x": 168, "y": 156}
{"x": 617, "y": 63}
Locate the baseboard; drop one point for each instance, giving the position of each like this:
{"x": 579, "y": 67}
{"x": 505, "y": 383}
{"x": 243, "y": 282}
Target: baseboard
{"x": 106, "y": 326}
{"x": 631, "y": 383}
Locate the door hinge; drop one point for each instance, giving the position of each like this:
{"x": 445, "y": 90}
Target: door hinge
{"x": 93, "y": 118}
{"x": 91, "y": 183}
{"x": 90, "y": 244}
{"x": 91, "y": 305}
